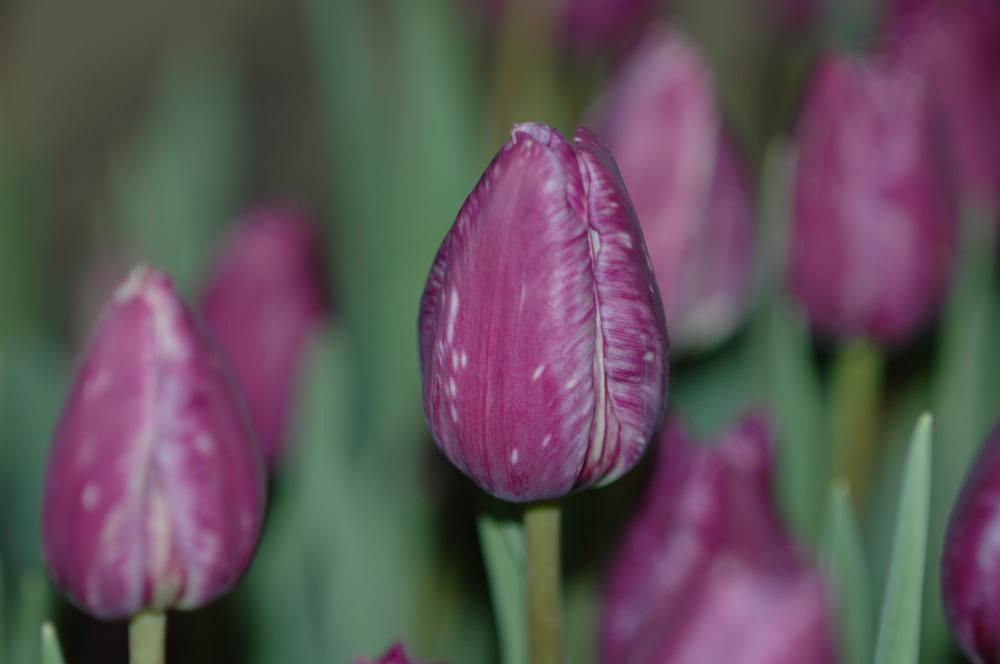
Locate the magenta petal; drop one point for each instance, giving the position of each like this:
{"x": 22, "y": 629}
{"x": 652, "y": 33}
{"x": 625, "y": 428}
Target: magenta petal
{"x": 395, "y": 655}
{"x": 264, "y": 299}
{"x": 970, "y": 567}
{"x": 542, "y": 351}
{"x": 154, "y": 495}
{"x": 874, "y": 227}
{"x": 705, "y": 572}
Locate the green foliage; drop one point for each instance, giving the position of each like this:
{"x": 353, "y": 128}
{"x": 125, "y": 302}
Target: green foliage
{"x": 503, "y": 554}
{"x": 899, "y": 629}
{"x": 51, "y": 653}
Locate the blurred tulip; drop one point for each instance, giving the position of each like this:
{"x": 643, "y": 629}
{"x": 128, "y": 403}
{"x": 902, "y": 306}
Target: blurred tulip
{"x": 595, "y": 24}
{"x": 542, "y": 342}
{"x": 155, "y": 492}
{"x": 266, "y": 296}
{"x": 395, "y": 655}
{"x": 689, "y": 186}
{"x": 706, "y": 573}
{"x": 970, "y": 567}
{"x": 955, "y": 46}
{"x": 874, "y": 220}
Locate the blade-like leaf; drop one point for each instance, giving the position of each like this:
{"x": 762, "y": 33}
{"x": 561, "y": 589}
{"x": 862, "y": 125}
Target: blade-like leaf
{"x": 502, "y": 543}
{"x": 847, "y": 570}
{"x": 51, "y": 653}
{"x": 899, "y": 630}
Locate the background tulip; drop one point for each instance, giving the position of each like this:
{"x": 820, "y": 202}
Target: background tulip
{"x": 705, "y": 572}
{"x": 689, "y": 186}
{"x": 541, "y": 334}
{"x": 970, "y": 569}
{"x": 955, "y": 47}
{"x": 154, "y": 495}
{"x": 874, "y": 227}
{"x": 264, "y": 298}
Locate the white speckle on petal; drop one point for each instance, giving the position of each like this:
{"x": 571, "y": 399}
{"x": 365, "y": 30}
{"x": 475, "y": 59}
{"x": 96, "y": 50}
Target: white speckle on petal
{"x": 91, "y": 495}
{"x": 465, "y": 359}
{"x": 626, "y": 239}
{"x": 513, "y": 456}
{"x": 572, "y": 382}
{"x": 452, "y": 387}
{"x": 539, "y": 370}
{"x": 547, "y": 440}
{"x": 97, "y": 384}
{"x": 204, "y": 444}
{"x": 452, "y": 314}
{"x": 454, "y": 414}
{"x": 454, "y": 360}
{"x": 648, "y": 356}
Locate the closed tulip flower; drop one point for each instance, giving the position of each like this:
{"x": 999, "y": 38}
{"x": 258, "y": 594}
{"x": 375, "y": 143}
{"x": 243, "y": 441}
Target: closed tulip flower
{"x": 705, "y": 572}
{"x": 689, "y": 186}
{"x": 395, "y": 655}
{"x": 955, "y": 47}
{"x": 264, "y": 299}
{"x": 542, "y": 341}
{"x": 155, "y": 492}
{"x": 970, "y": 567}
{"x": 874, "y": 227}
{"x": 591, "y": 24}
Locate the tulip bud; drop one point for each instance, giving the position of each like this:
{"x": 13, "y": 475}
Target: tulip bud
{"x": 593, "y": 24}
{"x": 263, "y": 300}
{"x": 705, "y": 572}
{"x": 542, "y": 342}
{"x": 955, "y": 46}
{"x": 155, "y": 491}
{"x": 688, "y": 184}
{"x": 970, "y": 566}
{"x": 395, "y": 655}
{"x": 874, "y": 227}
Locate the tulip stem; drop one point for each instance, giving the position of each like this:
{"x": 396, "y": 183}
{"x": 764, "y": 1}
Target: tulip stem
{"x": 146, "y": 638}
{"x": 541, "y": 533}
{"x": 857, "y": 378}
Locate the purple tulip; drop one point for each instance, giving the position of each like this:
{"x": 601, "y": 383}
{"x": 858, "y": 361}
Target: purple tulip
{"x": 956, "y": 47}
{"x": 689, "y": 186}
{"x": 595, "y": 24}
{"x": 705, "y": 572}
{"x": 395, "y": 655}
{"x": 155, "y": 490}
{"x": 542, "y": 340}
{"x": 263, "y": 301}
{"x": 970, "y": 567}
{"x": 874, "y": 228}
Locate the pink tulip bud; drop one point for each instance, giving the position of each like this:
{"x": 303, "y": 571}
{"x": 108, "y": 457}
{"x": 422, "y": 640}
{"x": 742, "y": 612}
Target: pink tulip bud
{"x": 705, "y": 572}
{"x": 395, "y": 655}
{"x": 688, "y": 184}
{"x": 874, "y": 228}
{"x": 970, "y": 567}
{"x": 264, "y": 299}
{"x": 542, "y": 340}
{"x": 155, "y": 490}
{"x": 955, "y": 46}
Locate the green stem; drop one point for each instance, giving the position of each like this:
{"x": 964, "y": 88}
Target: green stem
{"x": 541, "y": 534}
{"x": 857, "y": 378}
{"x": 146, "y": 638}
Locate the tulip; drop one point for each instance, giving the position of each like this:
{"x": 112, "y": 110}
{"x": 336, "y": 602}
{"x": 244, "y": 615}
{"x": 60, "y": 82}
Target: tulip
{"x": 593, "y": 24}
{"x": 874, "y": 223}
{"x": 955, "y": 46}
{"x": 395, "y": 655}
{"x": 970, "y": 566}
{"x": 542, "y": 343}
{"x": 705, "y": 572}
{"x": 689, "y": 186}
{"x": 263, "y": 301}
{"x": 155, "y": 491}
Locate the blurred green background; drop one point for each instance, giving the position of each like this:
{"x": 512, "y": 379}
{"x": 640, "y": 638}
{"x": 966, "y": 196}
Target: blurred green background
{"x": 137, "y": 130}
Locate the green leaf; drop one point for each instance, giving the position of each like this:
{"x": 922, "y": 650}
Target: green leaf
{"x": 792, "y": 391}
{"x": 178, "y": 180}
{"x": 51, "y": 653}
{"x": 502, "y": 543}
{"x": 899, "y": 630}
{"x": 844, "y": 560}
{"x": 28, "y": 618}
